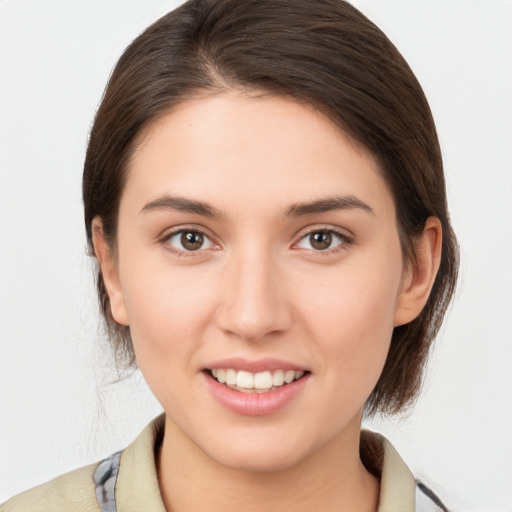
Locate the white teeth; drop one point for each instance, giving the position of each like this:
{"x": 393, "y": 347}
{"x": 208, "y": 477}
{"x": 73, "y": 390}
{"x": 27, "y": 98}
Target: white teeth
{"x": 289, "y": 376}
{"x": 261, "y": 381}
{"x": 245, "y": 379}
{"x": 230, "y": 377}
{"x": 221, "y": 375}
{"x": 278, "y": 378}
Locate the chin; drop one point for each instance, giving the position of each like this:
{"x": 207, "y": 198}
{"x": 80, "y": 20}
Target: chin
{"x": 259, "y": 453}
{"x": 261, "y": 461}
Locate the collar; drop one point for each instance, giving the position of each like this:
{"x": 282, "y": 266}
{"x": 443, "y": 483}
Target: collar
{"x": 132, "y": 475}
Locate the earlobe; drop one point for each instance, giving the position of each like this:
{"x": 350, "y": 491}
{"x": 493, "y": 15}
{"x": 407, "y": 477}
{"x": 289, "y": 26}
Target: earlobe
{"x": 419, "y": 279}
{"x": 109, "y": 272}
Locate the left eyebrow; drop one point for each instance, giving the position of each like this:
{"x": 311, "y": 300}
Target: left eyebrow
{"x": 183, "y": 205}
{"x": 329, "y": 204}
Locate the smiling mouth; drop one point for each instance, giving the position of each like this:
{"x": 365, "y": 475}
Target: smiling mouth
{"x": 261, "y": 382}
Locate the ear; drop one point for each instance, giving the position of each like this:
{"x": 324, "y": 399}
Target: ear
{"x": 419, "y": 278}
{"x": 109, "y": 272}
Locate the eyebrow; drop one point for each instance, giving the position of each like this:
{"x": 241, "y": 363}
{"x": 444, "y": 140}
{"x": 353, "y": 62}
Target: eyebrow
{"x": 295, "y": 210}
{"x": 183, "y": 205}
{"x": 327, "y": 205}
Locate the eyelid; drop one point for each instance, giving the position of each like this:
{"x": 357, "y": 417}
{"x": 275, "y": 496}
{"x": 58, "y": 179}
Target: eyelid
{"x": 168, "y": 234}
{"x": 346, "y": 236}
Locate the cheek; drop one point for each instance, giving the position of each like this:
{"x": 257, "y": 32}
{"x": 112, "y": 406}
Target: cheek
{"x": 167, "y": 309}
{"x": 351, "y": 316}
{"x": 358, "y": 299}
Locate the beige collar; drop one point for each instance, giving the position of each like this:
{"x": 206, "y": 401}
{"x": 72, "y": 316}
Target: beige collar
{"x": 397, "y": 485}
{"x": 137, "y": 484}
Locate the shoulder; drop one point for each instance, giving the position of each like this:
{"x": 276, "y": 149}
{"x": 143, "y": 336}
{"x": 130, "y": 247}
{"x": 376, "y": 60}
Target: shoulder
{"x": 86, "y": 488}
{"x": 399, "y": 490}
{"x": 72, "y": 491}
{"x": 427, "y": 500}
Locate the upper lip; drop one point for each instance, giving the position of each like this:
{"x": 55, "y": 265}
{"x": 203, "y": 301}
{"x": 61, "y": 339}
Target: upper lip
{"x": 255, "y": 366}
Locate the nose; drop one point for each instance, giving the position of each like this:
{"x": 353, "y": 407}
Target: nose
{"x": 254, "y": 301}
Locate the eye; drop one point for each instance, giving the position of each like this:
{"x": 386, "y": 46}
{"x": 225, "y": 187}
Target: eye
{"x": 322, "y": 240}
{"x": 189, "y": 241}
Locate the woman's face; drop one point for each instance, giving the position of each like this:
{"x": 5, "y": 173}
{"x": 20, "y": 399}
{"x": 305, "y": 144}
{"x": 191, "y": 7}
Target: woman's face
{"x": 257, "y": 243}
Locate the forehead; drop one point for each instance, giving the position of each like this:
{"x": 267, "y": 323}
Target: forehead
{"x": 236, "y": 149}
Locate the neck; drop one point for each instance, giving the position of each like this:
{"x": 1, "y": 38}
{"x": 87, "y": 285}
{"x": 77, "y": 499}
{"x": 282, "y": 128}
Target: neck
{"x": 331, "y": 479}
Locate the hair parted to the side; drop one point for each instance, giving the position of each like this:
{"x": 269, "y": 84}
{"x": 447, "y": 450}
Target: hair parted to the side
{"x": 323, "y": 53}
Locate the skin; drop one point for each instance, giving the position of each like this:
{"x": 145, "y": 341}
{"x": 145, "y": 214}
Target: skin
{"x": 258, "y": 288}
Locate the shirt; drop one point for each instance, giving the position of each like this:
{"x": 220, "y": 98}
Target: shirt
{"x": 127, "y": 482}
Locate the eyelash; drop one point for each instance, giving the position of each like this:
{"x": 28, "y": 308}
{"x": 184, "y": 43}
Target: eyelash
{"x": 344, "y": 241}
{"x": 184, "y": 253}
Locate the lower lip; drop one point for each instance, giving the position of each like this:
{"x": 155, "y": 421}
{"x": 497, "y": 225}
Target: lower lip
{"x": 255, "y": 404}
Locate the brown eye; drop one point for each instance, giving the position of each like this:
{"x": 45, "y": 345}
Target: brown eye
{"x": 192, "y": 241}
{"x": 189, "y": 241}
{"x": 321, "y": 240}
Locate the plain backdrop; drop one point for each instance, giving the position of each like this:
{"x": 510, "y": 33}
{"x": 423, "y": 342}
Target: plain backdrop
{"x": 58, "y": 406}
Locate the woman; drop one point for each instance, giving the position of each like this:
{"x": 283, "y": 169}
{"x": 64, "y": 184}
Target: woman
{"x": 264, "y": 195}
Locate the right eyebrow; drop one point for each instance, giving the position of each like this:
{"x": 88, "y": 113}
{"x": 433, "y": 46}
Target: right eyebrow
{"x": 182, "y": 204}
{"x": 328, "y": 204}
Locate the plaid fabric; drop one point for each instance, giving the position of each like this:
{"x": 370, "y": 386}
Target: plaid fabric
{"x": 105, "y": 477}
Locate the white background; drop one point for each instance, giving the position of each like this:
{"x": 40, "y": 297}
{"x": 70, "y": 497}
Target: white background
{"x": 58, "y": 409}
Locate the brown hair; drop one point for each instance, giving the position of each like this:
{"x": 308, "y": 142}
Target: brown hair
{"x": 324, "y": 53}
